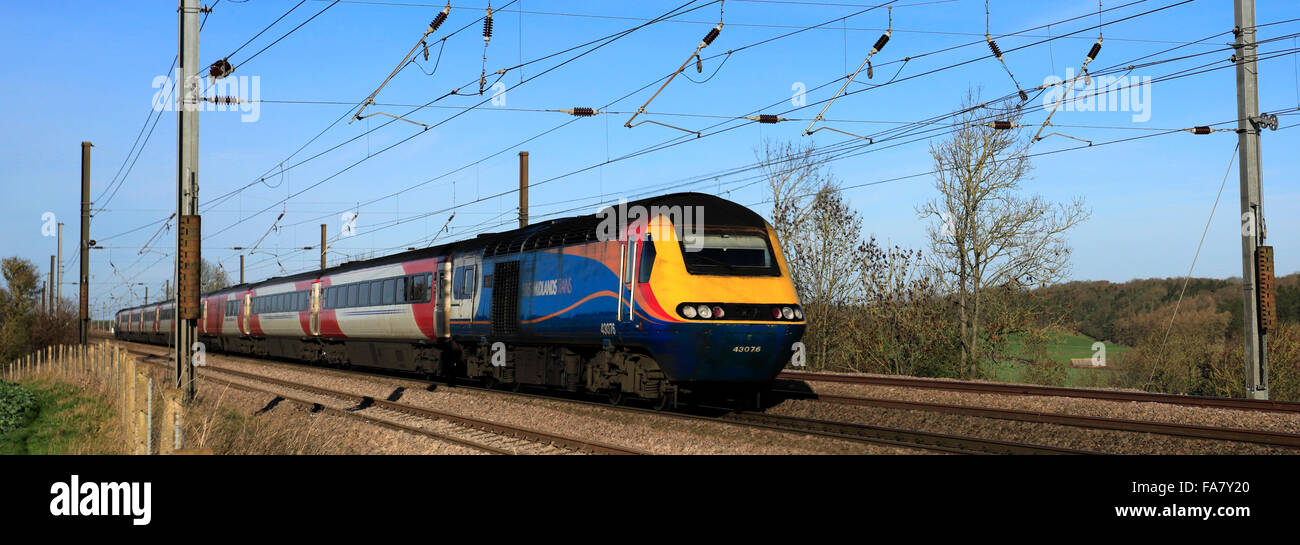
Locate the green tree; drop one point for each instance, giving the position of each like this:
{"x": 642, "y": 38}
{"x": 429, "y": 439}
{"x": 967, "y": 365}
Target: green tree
{"x": 18, "y": 300}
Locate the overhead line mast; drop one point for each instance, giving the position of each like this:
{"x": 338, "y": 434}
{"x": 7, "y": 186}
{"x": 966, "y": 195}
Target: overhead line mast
{"x": 1256, "y": 259}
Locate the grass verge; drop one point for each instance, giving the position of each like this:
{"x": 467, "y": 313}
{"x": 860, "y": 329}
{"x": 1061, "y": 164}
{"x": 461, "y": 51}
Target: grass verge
{"x": 68, "y": 420}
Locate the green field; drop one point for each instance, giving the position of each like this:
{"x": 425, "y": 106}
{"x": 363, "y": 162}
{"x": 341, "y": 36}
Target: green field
{"x": 70, "y": 421}
{"x": 1061, "y": 347}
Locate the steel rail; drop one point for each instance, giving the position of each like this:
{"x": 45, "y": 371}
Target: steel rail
{"x": 1051, "y": 391}
{"x": 317, "y": 407}
{"x": 1263, "y": 437}
{"x": 421, "y": 412}
{"x": 858, "y": 433}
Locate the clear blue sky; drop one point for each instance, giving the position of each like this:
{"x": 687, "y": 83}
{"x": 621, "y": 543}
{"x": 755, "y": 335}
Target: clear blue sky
{"x": 79, "y": 71}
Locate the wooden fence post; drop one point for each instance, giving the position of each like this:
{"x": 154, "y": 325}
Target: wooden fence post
{"x": 143, "y": 429}
{"x": 172, "y": 436}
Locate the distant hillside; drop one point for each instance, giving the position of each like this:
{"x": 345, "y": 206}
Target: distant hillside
{"x": 1096, "y": 308}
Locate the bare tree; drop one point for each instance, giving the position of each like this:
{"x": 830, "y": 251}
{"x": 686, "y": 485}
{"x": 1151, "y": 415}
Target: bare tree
{"x": 794, "y": 173}
{"x": 983, "y": 233}
{"x": 212, "y": 277}
{"x": 821, "y": 237}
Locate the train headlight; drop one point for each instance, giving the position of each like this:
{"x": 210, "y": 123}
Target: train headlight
{"x": 787, "y": 313}
{"x": 718, "y": 312}
{"x": 688, "y": 311}
{"x": 798, "y": 313}
{"x": 705, "y": 311}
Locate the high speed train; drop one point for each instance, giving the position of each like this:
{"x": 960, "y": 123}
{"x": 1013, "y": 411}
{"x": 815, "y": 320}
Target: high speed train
{"x": 685, "y": 293}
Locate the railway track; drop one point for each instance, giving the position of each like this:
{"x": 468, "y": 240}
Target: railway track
{"x": 851, "y": 432}
{"x": 1052, "y": 391}
{"x": 939, "y": 442}
{"x": 474, "y": 433}
{"x": 1270, "y": 438}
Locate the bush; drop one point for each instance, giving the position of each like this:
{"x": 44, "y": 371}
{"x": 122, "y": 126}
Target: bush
{"x": 17, "y": 406}
{"x": 1284, "y": 362}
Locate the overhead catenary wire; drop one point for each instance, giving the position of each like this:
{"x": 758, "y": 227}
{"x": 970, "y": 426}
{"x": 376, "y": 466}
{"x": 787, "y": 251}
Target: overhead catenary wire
{"x": 695, "y": 55}
{"x": 671, "y": 142}
{"x": 879, "y": 45}
{"x": 754, "y": 44}
{"x": 437, "y": 22}
{"x": 1083, "y": 73}
{"x": 597, "y": 45}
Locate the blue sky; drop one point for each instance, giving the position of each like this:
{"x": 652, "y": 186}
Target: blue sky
{"x": 86, "y": 71}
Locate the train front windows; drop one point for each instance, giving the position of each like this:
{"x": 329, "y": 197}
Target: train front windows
{"x": 724, "y": 253}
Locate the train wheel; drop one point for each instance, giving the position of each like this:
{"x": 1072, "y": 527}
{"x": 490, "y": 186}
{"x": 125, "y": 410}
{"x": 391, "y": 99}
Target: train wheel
{"x": 666, "y": 400}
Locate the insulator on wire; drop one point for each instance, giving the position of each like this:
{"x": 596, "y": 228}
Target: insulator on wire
{"x": 439, "y": 19}
{"x": 1002, "y": 125}
{"x": 766, "y": 118}
{"x": 1092, "y": 53}
{"x": 581, "y": 112}
{"x": 224, "y": 100}
{"x": 993, "y": 46}
{"x": 1201, "y": 130}
{"x": 712, "y": 35}
{"x": 487, "y": 25}
{"x": 880, "y": 43}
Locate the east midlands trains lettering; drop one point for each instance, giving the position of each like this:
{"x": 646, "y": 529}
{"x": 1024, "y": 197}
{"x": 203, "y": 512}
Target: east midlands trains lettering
{"x": 640, "y": 313}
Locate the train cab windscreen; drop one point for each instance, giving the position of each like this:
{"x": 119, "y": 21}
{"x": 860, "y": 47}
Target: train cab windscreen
{"x": 730, "y": 253}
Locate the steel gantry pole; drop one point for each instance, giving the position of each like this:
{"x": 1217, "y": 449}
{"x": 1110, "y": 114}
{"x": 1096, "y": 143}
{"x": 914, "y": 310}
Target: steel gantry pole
{"x": 188, "y": 257}
{"x": 1256, "y": 259}
{"x": 86, "y": 243}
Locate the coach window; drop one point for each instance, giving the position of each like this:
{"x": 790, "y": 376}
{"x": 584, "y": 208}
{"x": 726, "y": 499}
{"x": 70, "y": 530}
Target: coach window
{"x": 399, "y": 289}
{"x": 419, "y": 291}
{"x": 353, "y": 289}
{"x": 388, "y": 291}
{"x": 363, "y": 299}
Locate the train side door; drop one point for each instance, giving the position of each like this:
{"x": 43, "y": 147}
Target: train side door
{"x": 314, "y": 307}
{"x": 245, "y": 309}
{"x": 627, "y": 279}
{"x": 203, "y": 318}
{"x": 465, "y": 273}
{"x": 442, "y": 312}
